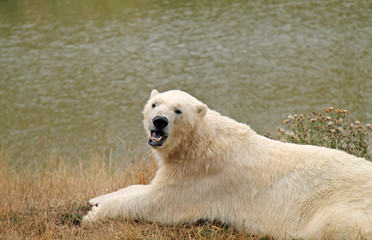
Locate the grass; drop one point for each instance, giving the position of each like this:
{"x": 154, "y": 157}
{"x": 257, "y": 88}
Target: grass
{"x": 47, "y": 201}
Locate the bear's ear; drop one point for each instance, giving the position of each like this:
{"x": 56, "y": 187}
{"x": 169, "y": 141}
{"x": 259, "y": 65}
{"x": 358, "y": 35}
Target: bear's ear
{"x": 201, "y": 109}
{"x": 154, "y": 93}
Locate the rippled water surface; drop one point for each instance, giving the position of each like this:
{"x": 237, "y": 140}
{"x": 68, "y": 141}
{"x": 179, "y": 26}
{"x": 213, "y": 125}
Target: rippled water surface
{"x": 76, "y": 74}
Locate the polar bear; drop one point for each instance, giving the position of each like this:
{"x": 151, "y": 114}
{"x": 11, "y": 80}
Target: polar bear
{"x": 212, "y": 167}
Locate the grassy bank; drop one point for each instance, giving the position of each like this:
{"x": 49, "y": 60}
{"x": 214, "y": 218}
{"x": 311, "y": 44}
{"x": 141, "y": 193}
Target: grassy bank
{"x": 47, "y": 201}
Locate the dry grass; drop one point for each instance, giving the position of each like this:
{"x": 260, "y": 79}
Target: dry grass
{"x": 49, "y": 203}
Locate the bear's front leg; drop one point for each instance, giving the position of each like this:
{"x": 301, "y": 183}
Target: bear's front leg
{"x": 117, "y": 203}
{"x": 100, "y": 199}
{"x": 168, "y": 205}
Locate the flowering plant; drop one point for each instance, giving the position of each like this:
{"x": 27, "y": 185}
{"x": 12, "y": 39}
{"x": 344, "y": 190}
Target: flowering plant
{"x": 332, "y": 129}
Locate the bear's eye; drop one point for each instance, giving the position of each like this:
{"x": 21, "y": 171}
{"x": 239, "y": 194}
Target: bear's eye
{"x": 153, "y": 105}
{"x": 177, "y": 111}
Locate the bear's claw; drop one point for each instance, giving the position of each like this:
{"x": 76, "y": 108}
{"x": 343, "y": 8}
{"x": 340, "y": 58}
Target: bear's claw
{"x": 93, "y": 204}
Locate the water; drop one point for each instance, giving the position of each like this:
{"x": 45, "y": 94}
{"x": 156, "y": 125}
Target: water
{"x": 75, "y": 75}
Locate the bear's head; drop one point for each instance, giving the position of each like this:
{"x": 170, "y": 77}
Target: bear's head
{"x": 170, "y": 118}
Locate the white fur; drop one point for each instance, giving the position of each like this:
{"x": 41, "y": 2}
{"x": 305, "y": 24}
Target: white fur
{"x": 212, "y": 167}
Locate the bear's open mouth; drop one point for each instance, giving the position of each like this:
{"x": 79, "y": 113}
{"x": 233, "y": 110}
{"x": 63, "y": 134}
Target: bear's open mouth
{"x": 157, "y": 138}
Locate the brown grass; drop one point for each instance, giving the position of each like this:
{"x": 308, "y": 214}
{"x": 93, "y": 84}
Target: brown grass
{"x": 49, "y": 202}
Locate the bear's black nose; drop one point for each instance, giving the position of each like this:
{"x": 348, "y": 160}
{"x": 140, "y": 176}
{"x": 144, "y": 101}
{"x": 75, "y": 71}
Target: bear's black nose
{"x": 160, "y": 122}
